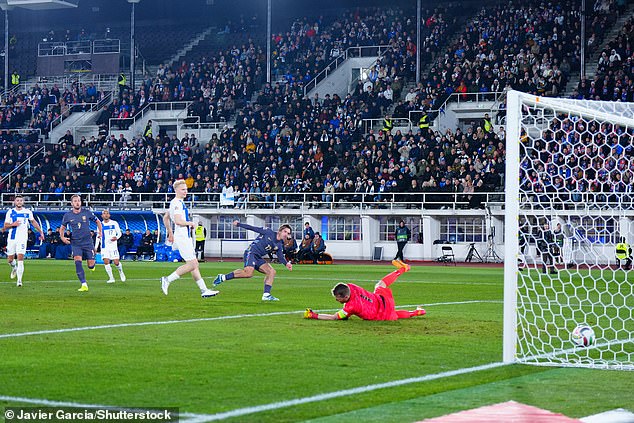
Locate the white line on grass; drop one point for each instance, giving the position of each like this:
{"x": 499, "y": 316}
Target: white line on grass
{"x": 343, "y": 393}
{"x": 201, "y": 418}
{"x": 49, "y": 403}
{"x": 204, "y": 319}
{"x": 97, "y": 281}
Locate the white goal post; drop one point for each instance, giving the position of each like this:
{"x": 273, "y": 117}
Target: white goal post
{"x": 569, "y": 202}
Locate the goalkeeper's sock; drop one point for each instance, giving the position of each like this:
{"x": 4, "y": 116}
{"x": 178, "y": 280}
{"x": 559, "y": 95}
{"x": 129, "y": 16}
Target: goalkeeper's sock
{"x": 229, "y": 276}
{"x": 171, "y": 278}
{"x": 392, "y": 277}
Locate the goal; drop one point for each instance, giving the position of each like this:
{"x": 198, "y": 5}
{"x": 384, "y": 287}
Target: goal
{"x": 569, "y": 185}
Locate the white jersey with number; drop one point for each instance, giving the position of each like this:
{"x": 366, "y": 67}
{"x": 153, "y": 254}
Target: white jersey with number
{"x": 109, "y": 248}
{"x": 18, "y": 236}
{"x": 183, "y": 241}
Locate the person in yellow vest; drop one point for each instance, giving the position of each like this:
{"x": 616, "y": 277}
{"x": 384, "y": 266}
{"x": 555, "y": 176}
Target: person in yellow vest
{"x": 388, "y": 124}
{"x": 15, "y": 78}
{"x": 487, "y": 125}
{"x": 200, "y": 234}
{"x": 122, "y": 81}
{"x": 423, "y": 122}
{"x": 624, "y": 252}
{"x": 147, "y": 133}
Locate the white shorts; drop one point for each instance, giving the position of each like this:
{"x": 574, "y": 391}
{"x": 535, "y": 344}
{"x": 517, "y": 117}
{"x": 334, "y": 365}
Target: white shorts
{"x": 110, "y": 253}
{"x": 15, "y": 246}
{"x": 185, "y": 248}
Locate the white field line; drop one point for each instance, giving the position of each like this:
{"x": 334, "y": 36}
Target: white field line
{"x": 201, "y": 418}
{"x": 211, "y": 278}
{"x": 205, "y": 319}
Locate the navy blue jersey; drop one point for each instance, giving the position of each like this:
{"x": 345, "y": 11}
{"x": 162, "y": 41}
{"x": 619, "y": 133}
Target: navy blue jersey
{"x": 266, "y": 243}
{"x": 79, "y": 225}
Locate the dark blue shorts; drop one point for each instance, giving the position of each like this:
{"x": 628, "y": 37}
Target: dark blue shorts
{"x": 253, "y": 260}
{"x": 86, "y": 252}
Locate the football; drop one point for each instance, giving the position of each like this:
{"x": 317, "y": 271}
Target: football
{"x": 582, "y": 336}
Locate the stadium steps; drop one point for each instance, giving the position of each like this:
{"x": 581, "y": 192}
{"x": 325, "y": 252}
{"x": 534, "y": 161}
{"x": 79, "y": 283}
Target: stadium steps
{"x": 592, "y": 59}
{"x": 190, "y": 45}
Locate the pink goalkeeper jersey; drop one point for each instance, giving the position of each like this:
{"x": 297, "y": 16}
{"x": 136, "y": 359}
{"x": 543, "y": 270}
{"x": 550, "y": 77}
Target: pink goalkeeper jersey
{"x": 364, "y": 304}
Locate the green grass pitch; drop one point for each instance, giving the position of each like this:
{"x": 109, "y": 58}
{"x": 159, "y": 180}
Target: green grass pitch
{"x": 237, "y": 351}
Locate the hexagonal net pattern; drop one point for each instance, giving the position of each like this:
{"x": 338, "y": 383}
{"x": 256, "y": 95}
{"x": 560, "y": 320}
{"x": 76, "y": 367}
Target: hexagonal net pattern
{"x": 570, "y": 211}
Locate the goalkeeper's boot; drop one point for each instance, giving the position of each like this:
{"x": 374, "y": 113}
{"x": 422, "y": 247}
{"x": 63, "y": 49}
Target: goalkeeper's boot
{"x": 420, "y": 311}
{"x": 401, "y": 265}
{"x": 83, "y": 288}
{"x": 269, "y": 297}
{"x": 219, "y": 279}
{"x": 208, "y": 293}
{"x": 165, "y": 284}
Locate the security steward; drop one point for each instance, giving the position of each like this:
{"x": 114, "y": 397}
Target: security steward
{"x": 200, "y": 234}
{"x": 624, "y": 252}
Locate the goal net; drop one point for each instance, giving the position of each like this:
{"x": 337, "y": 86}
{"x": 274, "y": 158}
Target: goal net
{"x": 569, "y": 183}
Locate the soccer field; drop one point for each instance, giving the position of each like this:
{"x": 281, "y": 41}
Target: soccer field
{"x": 236, "y": 358}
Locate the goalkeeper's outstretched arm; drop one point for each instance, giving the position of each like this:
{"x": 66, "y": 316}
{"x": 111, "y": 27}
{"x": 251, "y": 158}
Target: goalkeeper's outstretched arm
{"x": 310, "y": 314}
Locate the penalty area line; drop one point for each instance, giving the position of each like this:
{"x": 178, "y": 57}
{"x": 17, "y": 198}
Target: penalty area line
{"x": 204, "y": 319}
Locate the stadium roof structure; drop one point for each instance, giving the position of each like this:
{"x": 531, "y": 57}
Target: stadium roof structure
{"x": 39, "y": 4}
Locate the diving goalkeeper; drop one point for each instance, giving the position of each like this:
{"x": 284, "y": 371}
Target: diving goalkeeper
{"x": 367, "y": 305}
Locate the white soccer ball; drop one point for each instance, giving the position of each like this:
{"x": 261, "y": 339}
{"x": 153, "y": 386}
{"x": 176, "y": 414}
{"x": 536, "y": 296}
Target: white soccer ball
{"x": 582, "y": 336}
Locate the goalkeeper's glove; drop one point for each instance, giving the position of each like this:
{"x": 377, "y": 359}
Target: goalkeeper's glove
{"x": 309, "y": 314}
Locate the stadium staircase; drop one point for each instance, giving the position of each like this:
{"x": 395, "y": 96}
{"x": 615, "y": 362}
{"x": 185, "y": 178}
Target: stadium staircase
{"x": 190, "y": 45}
{"x": 592, "y": 59}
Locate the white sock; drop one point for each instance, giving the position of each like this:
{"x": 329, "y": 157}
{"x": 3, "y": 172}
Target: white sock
{"x": 20, "y": 270}
{"x": 201, "y": 285}
{"x": 172, "y": 277}
{"x": 120, "y": 267}
{"x": 108, "y": 271}
{"x": 12, "y": 264}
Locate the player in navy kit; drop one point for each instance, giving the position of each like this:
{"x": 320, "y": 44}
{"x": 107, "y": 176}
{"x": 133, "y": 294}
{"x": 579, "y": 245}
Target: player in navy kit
{"x": 78, "y": 220}
{"x": 268, "y": 241}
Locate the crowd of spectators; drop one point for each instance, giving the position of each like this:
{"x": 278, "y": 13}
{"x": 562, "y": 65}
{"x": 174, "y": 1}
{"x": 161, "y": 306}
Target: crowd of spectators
{"x": 613, "y": 78}
{"x": 286, "y": 143}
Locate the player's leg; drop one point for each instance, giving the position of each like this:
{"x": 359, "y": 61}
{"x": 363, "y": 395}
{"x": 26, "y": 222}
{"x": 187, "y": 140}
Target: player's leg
{"x": 250, "y": 261}
{"x": 405, "y": 314}
{"x": 11, "y": 251}
{"x": 390, "y": 278}
{"x": 20, "y": 268}
{"x": 79, "y": 267}
{"x": 269, "y": 277}
{"x": 107, "y": 267}
{"x": 114, "y": 255}
{"x": 186, "y": 249}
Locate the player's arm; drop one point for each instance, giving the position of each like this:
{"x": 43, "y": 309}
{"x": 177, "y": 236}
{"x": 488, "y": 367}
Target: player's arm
{"x": 249, "y": 227}
{"x": 282, "y": 258}
{"x": 99, "y": 227}
{"x": 62, "y": 231}
{"x": 168, "y": 226}
{"x": 9, "y": 223}
{"x": 179, "y": 219}
{"x": 37, "y": 226}
{"x": 310, "y": 314}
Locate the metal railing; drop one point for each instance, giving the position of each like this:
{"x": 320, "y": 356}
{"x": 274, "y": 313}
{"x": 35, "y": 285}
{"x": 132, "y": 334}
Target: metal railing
{"x": 127, "y": 123}
{"x": 361, "y": 51}
{"x": 6, "y": 179}
{"x": 272, "y": 201}
{"x": 70, "y": 108}
{"x": 110, "y": 46}
{"x": 398, "y": 122}
{"x": 197, "y": 127}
